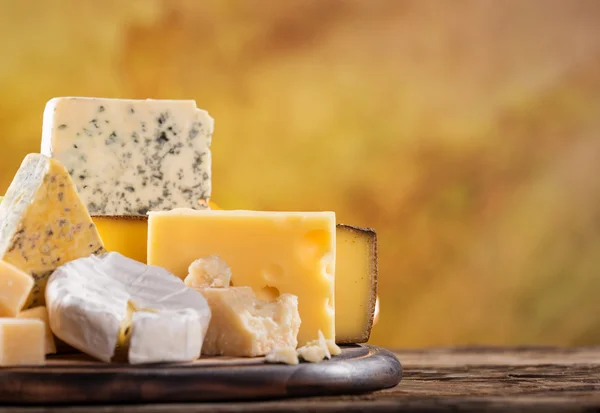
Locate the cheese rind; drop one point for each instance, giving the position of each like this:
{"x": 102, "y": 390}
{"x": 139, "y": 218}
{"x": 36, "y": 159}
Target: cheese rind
{"x": 131, "y": 156}
{"x": 22, "y": 342}
{"x": 15, "y": 286}
{"x": 244, "y": 326}
{"x": 271, "y": 252}
{"x": 92, "y": 300}
{"x": 127, "y": 235}
{"x": 43, "y": 223}
{"x": 356, "y": 283}
{"x": 185, "y": 336}
{"x": 41, "y": 313}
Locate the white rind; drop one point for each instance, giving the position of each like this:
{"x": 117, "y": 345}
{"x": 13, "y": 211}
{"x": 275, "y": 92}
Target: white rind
{"x": 87, "y": 303}
{"x": 185, "y": 336}
{"x": 85, "y": 310}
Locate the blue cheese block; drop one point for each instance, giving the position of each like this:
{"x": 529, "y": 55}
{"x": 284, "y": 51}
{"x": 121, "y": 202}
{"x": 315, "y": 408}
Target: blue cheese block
{"x": 128, "y": 157}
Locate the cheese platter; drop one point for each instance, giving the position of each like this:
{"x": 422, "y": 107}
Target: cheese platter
{"x": 79, "y": 379}
{"x": 121, "y": 281}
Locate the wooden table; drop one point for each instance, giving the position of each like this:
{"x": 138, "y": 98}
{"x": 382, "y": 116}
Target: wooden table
{"x": 528, "y": 379}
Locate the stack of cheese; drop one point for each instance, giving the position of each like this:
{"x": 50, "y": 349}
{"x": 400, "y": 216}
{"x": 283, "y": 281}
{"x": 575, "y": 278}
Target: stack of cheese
{"x": 134, "y": 177}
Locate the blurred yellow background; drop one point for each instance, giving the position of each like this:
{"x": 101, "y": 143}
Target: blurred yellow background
{"x": 466, "y": 133}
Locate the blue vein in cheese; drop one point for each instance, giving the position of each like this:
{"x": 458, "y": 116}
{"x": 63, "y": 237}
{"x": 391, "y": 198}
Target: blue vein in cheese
{"x": 128, "y": 157}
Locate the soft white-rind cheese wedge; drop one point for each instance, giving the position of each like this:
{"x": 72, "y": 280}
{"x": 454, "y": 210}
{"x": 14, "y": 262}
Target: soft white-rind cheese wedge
{"x": 245, "y": 326}
{"x": 91, "y": 299}
{"x": 183, "y": 339}
{"x": 130, "y": 156}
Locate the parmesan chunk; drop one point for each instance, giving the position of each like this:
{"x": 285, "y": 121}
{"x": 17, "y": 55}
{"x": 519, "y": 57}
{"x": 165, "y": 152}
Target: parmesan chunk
{"x": 210, "y": 271}
{"x": 244, "y": 326}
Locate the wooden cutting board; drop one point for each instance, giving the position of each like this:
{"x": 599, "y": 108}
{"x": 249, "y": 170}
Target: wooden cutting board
{"x": 78, "y": 379}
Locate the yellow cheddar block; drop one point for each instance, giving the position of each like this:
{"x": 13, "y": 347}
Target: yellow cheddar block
{"x": 41, "y": 313}
{"x": 271, "y": 252}
{"x": 15, "y": 286}
{"x": 22, "y": 342}
{"x": 127, "y": 235}
{"x": 356, "y": 283}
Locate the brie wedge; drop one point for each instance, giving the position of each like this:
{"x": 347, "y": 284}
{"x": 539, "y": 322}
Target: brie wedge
{"x": 99, "y": 302}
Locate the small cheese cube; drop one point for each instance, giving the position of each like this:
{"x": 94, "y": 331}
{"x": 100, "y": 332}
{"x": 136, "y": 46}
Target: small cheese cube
{"x": 209, "y": 271}
{"x": 285, "y": 355}
{"x": 271, "y": 252}
{"x": 41, "y": 313}
{"x": 15, "y": 286}
{"x": 245, "y": 326}
{"x": 127, "y": 235}
{"x": 130, "y": 156}
{"x": 22, "y": 342}
{"x": 43, "y": 223}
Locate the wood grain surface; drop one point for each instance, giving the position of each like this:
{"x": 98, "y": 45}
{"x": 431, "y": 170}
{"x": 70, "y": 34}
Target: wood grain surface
{"x": 78, "y": 379}
{"x": 527, "y": 379}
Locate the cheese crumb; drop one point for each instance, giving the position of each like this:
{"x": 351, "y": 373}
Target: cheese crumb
{"x": 316, "y": 350}
{"x": 334, "y": 349}
{"x": 210, "y": 271}
{"x": 286, "y": 355}
{"x": 312, "y": 353}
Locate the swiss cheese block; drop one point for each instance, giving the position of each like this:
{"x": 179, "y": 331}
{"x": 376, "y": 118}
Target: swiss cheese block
{"x": 41, "y": 313}
{"x": 15, "y": 286}
{"x": 43, "y": 223}
{"x": 356, "y": 283}
{"x": 244, "y": 326}
{"x": 130, "y": 156}
{"x": 22, "y": 342}
{"x": 271, "y": 252}
{"x": 127, "y": 235}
